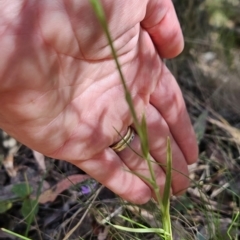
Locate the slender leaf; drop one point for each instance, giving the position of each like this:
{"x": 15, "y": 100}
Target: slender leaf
{"x": 200, "y": 126}
{"x": 139, "y": 230}
{"x": 15, "y": 234}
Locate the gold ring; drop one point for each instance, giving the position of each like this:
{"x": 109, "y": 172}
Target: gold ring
{"x": 124, "y": 142}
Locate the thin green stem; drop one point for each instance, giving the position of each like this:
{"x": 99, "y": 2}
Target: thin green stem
{"x": 141, "y": 129}
{"x": 15, "y": 234}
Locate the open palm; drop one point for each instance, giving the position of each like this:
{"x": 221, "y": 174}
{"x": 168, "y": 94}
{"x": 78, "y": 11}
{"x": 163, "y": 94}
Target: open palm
{"x": 60, "y": 91}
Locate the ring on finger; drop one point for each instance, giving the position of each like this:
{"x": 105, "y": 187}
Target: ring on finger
{"x": 125, "y": 141}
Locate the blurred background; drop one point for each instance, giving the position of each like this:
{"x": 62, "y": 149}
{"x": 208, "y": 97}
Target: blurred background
{"x": 209, "y": 67}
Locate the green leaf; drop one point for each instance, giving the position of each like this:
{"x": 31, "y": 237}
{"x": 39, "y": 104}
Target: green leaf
{"x": 29, "y": 210}
{"x": 200, "y": 125}
{"x": 4, "y": 206}
{"x": 22, "y": 190}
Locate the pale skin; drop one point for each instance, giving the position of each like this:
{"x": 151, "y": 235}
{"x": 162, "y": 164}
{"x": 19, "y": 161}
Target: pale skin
{"x": 60, "y": 92}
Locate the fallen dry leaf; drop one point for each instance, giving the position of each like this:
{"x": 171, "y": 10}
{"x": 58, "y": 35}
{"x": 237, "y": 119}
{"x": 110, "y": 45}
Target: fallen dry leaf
{"x": 234, "y": 132}
{"x": 8, "y": 164}
{"x": 40, "y": 159}
{"x": 51, "y": 194}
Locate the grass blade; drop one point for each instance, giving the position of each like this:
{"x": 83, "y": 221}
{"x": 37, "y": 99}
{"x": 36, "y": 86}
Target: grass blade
{"x": 15, "y": 234}
{"x": 166, "y": 195}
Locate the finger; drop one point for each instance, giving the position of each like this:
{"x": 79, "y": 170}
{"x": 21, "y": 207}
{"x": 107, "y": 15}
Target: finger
{"x": 162, "y": 25}
{"x": 167, "y": 99}
{"x": 158, "y": 132}
{"x": 108, "y": 169}
{"x": 132, "y": 157}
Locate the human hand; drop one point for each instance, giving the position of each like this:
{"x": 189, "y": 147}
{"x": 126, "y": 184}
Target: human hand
{"x": 60, "y": 91}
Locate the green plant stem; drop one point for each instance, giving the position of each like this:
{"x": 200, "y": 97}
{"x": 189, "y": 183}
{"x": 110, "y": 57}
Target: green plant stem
{"x": 15, "y": 234}
{"x": 141, "y": 129}
{"x": 166, "y": 195}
